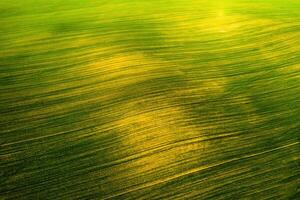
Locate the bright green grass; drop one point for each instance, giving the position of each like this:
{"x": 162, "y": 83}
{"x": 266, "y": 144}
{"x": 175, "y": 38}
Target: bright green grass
{"x": 157, "y": 99}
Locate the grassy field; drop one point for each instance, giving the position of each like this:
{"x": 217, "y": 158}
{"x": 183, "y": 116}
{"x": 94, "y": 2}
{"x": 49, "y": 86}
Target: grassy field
{"x": 156, "y": 99}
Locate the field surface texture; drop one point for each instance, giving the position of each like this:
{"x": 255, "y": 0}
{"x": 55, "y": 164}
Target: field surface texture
{"x": 149, "y": 99}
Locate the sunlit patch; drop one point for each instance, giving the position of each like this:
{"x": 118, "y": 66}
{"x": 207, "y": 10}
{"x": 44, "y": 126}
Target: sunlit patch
{"x": 156, "y": 135}
{"x": 224, "y": 23}
{"x": 124, "y": 67}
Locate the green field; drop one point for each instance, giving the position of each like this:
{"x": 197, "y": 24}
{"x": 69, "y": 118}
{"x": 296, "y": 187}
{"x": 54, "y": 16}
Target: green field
{"x": 150, "y": 99}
